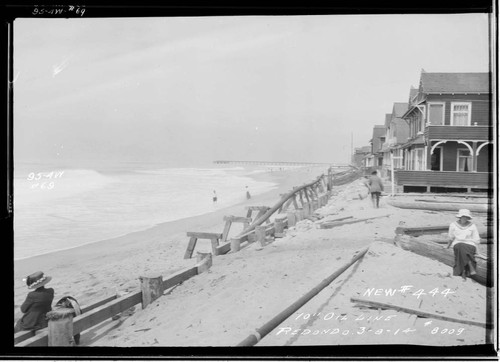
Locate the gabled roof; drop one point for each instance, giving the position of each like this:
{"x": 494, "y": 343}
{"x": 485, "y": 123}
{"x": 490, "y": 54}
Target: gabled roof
{"x": 455, "y": 82}
{"x": 378, "y": 131}
{"x": 399, "y": 109}
{"x": 388, "y": 117}
{"x": 413, "y": 93}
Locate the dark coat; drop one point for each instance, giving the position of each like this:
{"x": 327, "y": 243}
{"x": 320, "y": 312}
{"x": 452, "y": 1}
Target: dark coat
{"x": 36, "y": 305}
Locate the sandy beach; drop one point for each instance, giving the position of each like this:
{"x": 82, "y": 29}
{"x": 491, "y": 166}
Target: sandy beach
{"x": 244, "y": 290}
{"x": 94, "y": 271}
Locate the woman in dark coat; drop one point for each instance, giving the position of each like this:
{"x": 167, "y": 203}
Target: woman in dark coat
{"x": 37, "y": 303}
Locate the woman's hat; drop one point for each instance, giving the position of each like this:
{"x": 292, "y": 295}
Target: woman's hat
{"x": 464, "y": 212}
{"x": 36, "y": 280}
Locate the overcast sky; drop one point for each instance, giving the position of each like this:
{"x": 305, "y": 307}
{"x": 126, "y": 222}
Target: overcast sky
{"x": 189, "y": 90}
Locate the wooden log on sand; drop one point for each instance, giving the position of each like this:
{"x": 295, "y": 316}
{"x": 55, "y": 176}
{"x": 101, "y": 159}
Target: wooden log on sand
{"x": 443, "y": 206}
{"x": 438, "y": 229}
{"x": 446, "y": 256}
{"x": 420, "y": 313}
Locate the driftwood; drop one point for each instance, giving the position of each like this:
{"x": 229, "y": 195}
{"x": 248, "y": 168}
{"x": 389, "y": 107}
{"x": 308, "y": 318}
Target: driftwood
{"x": 446, "y": 256}
{"x": 329, "y": 225}
{"x": 419, "y": 313}
{"x": 443, "y": 206}
{"x": 453, "y": 202}
{"x": 437, "y": 229}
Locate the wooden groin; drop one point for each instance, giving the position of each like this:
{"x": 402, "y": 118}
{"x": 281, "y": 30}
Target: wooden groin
{"x": 302, "y": 200}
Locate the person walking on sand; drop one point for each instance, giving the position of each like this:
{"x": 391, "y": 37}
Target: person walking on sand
{"x": 214, "y": 198}
{"x": 37, "y": 303}
{"x": 464, "y": 238}
{"x": 376, "y": 186}
{"x": 248, "y": 194}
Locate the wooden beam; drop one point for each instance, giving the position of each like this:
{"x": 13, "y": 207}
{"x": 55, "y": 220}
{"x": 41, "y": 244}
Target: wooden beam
{"x": 100, "y": 314}
{"x": 446, "y": 256}
{"x": 419, "y": 312}
{"x": 24, "y": 335}
{"x": 178, "y": 277}
{"x": 203, "y": 235}
{"x": 329, "y": 225}
{"x": 478, "y": 208}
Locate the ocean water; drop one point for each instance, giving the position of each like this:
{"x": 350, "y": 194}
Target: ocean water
{"x": 57, "y": 208}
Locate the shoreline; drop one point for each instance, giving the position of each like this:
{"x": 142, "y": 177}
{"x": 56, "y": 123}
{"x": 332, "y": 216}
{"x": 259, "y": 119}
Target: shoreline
{"x": 130, "y": 253}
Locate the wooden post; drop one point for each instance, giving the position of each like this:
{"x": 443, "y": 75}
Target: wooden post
{"x": 190, "y": 248}
{"x": 260, "y": 234}
{"x": 204, "y": 261}
{"x": 306, "y": 209}
{"x": 60, "y": 328}
{"x": 279, "y": 226}
{"x": 215, "y": 244}
{"x": 291, "y": 218}
{"x": 294, "y": 200}
{"x": 151, "y": 288}
{"x": 235, "y": 245}
{"x": 227, "y": 227}
{"x": 299, "y": 214}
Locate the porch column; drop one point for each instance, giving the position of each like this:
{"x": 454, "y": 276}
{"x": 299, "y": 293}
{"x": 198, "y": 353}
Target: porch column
{"x": 474, "y": 156}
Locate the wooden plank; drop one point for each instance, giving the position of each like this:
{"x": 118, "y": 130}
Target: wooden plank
{"x": 190, "y": 248}
{"x": 419, "y": 312}
{"x": 24, "y": 335}
{"x": 455, "y": 202}
{"x": 225, "y": 232}
{"x": 39, "y": 340}
{"x": 237, "y": 219}
{"x": 203, "y": 235}
{"x": 478, "y": 208}
{"x": 99, "y": 303}
{"x": 329, "y": 225}
{"x": 179, "y": 277}
{"x": 436, "y": 229}
{"x": 100, "y": 314}
{"x": 446, "y": 256}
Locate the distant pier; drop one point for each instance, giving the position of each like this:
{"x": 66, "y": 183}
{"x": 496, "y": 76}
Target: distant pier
{"x": 280, "y": 163}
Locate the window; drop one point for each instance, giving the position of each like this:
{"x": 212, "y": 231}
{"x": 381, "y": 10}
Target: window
{"x": 464, "y": 160}
{"x": 419, "y": 159}
{"x": 436, "y": 113}
{"x": 460, "y": 114}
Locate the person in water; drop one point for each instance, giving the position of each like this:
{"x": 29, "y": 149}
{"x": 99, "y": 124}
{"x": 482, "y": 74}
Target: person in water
{"x": 214, "y": 198}
{"x": 248, "y": 194}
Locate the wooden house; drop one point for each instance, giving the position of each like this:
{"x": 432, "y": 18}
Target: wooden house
{"x": 450, "y": 143}
{"x": 376, "y": 156}
{"x": 396, "y": 135}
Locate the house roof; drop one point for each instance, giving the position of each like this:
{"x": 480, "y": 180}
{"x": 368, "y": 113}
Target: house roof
{"x": 388, "y": 117}
{"x": 378, "y": 131}
{"x": 399, "y": 109}
{"x": 413, "y": 93}
{"x": 455, "y": 82}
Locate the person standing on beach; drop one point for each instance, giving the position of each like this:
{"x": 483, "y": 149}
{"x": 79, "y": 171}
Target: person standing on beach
{"x": 37, "y": 303}
{"x": 464, "y": 238}
{"x": 376, "y": 186}
{"x": 214, "y": 198}
{"x": 248, "y": 194}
